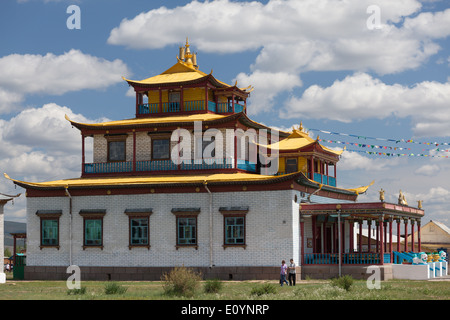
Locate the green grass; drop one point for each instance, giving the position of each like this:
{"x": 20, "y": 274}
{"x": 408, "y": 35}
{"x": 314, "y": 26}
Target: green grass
{"x": 231, "y": 290}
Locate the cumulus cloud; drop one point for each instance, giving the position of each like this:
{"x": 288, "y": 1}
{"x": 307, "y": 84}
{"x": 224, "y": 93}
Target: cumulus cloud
{"x": 428, "y": 170}
{"x": 293, "y": 37}
{"x": 354, "y": 161}
{"x": 267, "y": 86}
{"x": 54, "y": 74}
{"x": 360, "y": 96}
{"x": 41, "y": 145}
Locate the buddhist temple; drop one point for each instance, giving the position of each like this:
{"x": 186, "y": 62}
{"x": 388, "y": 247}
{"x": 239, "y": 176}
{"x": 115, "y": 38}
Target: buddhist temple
{"x": 191, "y": 180}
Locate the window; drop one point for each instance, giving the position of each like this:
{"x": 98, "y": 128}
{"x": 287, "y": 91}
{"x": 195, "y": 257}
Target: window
{"x": 234, "y": 227}
{"x": 160, "y": 149}
{"x": 202, "y": 144}
{"x": 116, "y": 147}
{"x": 139, "y": 231}
{"x": 92, "y": 228}
{"x": 139, "y": 227}
{"x": 234, "y": 230}
{"x": 187, "y": 230}
{"x": 291, "y": 165}
{"x": 93, "y": 232}
{"x": 186, "y": 226}
{"x": 49, "y": 227}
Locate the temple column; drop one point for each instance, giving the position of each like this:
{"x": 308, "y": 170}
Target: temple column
{"x": 314, "y": 218}
{"x": 160, "y": 107}
{"x": 412, "y": 235}
{"x": 182, "y": 100}
{"x": 398, "y": 234}
{"x": 385, "y": 235}
{"x": 377, "y": 235}
{"x": 369, "y": 228}
{"x": 83, "y": 159}
{"x": 134, "y": 150}
{"x": 351, "y": 236}
{"x": 418, "y": 236}
{"x": 381, "y": 240}
{"x": 390, "y": 237}
{"x": 302, "y": 241}
{"x": 406, "y": 234}
{"x": 360, "y": 222}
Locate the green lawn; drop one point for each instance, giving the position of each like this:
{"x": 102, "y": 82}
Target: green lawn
{"x": 232, "y": 290}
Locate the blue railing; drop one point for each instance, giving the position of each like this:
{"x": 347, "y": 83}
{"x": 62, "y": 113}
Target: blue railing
{"x": 170, "y": 107}
{"x": 195, "y": 105}
{"x": 165, "y": 165}
{"x": 246, "y": 165}
{"x": 212, "y": 106}
{"x": 347, "y": 258}
{"x": 108, "y": 167}
{"x": 148, "y": 108}
{"x": 321, "y": 178}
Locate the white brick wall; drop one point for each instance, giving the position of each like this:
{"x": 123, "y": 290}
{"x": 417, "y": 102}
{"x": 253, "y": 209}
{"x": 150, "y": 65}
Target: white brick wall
{"x": 272, "y": 230}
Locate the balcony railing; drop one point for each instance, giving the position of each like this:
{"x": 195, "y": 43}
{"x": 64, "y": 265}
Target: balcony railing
{"x": 347, "y": 258}
{"x": 165, "y": 165}
{"x": 189, "y": 106}
{"x": 321, "y": 178}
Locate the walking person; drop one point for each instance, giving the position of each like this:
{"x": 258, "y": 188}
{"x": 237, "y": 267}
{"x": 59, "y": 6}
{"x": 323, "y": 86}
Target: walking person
{"x": 283, "y": 272}
{"x": 292, "y": 274}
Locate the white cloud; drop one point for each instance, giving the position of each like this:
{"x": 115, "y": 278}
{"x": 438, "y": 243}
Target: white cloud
{"x": 41, "y": 145}
{"x": 360, "y": 96}
{"x": 294, "y": 36}
{"x": 428, "y": 170}
{"x": 354, "y": 161}
{"x": 52, "y": 74}
{"x": 267, "y": 86}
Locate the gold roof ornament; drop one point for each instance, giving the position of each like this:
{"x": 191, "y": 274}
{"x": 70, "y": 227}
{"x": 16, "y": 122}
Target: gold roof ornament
{"x": 402, "y": 199}
{"x": 381, "y": 195}
{"x": 186, "y": 56}
{"x": 419, "y": 204}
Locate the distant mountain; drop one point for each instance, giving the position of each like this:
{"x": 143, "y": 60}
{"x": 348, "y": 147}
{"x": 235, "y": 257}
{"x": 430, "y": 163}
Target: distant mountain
{"x": 13, "y": 227}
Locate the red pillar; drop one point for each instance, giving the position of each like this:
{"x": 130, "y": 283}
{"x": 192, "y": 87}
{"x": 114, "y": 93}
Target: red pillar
{"x": 314, "y": 218}
{"x": 369, "y": 224}
{"x": 182, "y": 100}
{"x": 381, "y": 240}
{"x": 385, "y": 235}
{"x": 377, "y": 235}
{"x": 302, "y": 235}
{"x": 360, "y": 222}
{"x": 137, "y": 104}
{"x": 83, "y": 160}
{"x": 134, "y": 150}
{"x": 412, "y": 235}
{"x": 398, "y": 234}
{"x": 418, "y": 237}
{"x": 390, "y": 237}
{"x": 351, "y": 236}
{"x": 406, "y": 234}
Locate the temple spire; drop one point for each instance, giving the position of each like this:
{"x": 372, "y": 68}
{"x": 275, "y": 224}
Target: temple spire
{"x": 187, "y": 57}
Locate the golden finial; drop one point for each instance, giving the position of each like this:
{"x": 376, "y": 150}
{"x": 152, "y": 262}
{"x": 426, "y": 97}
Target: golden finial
{"x": 419, "y": 204}
{"x": 402, "y": 199}
{"x": 381, "y": 195}
{"x": 301, "y": 127}
{"x": 187, "y": 42}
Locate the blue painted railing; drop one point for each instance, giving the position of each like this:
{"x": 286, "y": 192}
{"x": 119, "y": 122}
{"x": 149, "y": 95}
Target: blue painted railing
{"x": 321, "y": 178}
{"x": 164, "y": 165}
{"x": 246, "y": 165}
{"x": 347, "y": 258}
{"x": 108, "y": 167}
{"x": 212, "y": 106}
{"x": 170, "y": 107}
{"x": 148, "y": 108}
{"x": 195, "y": 105}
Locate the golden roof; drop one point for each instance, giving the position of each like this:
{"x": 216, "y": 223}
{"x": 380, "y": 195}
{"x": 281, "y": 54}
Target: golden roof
{"x": 149, "y": 121}
{"x": 296, "y": 140}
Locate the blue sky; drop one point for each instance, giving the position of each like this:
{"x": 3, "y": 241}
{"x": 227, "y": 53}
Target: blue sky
{"x": 312, "y": 61}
